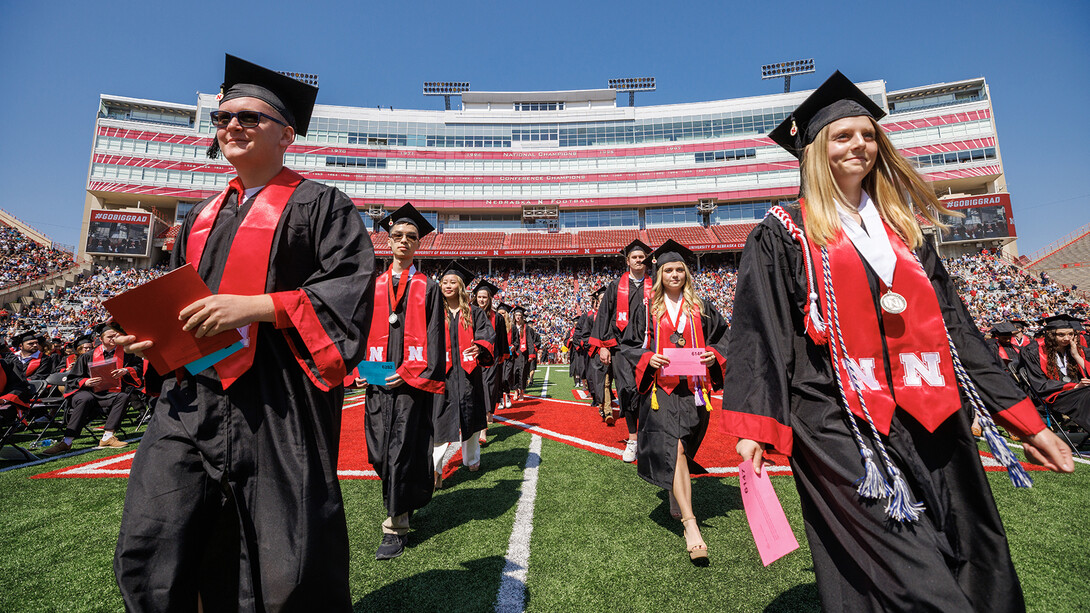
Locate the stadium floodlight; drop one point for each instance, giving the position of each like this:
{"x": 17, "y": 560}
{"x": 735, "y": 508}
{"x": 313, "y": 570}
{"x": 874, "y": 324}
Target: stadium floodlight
{"x": 633, "y": 85}
{"x": 786, "y": 70}
{"x": 446, "y": 89}
{"x": 305, "y": 77}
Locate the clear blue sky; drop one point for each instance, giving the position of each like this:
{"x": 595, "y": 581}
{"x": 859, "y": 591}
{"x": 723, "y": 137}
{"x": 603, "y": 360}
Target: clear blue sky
{"x": 57, "y": 57}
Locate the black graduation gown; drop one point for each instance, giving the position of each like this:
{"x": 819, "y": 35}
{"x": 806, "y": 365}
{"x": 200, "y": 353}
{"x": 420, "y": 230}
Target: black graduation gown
{"x": 14, "y": 388}
{"x": 398, "y": 424}
{"x": 1060, "y": 396}
{"x": 46, "y": 365}
{"x": 782, "y": 392}
{"x": 493, "y": 373}
{"x": 81, "y": 371}
{"x": 1007, "y": 356}
{"x": 507, "y": 379}
{"x": 677, "y": 418}
{"x": 462, "y": 407}
{"x": 524, "y": 361}
{"x": 593, "y": 369}
{"x": 606, "y": 331}
{"x": 578, "y": 353}
{"x": 235, "y": 492}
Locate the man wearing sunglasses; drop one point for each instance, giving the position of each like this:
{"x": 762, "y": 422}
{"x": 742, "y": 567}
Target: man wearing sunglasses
{"x": 233, "y": 499}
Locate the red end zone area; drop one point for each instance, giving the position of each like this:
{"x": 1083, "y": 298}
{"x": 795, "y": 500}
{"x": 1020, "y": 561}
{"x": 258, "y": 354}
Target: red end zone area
{"x": 573, "y": 423}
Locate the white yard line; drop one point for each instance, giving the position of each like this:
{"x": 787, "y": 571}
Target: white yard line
{"x": 558, "y": 436}
{"x": 545, "y": 383}
{"x": 511, "y": 597}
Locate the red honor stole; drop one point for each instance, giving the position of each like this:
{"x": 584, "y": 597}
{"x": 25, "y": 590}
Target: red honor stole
{"x": 119, "y": 361}
{"x": 694, "y": 334}
{"x": 247, "y": 269}
{"x": 622, "y": 298}
{"x": 465, "y": 339}
{"x": 522, "y": 338}
{"x": 414, "y": 357}
{"x": 924, "y": 383}
{"x": 33, "y": 364}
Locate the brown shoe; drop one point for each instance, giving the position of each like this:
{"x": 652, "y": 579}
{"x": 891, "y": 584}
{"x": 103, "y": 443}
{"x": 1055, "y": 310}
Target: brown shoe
{"x": 112, "y": 443}
{"x": 57, "y": 448}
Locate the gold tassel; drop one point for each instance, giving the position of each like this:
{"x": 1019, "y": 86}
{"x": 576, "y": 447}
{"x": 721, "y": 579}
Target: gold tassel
{"x": 707, "y": 398}
{"x": 654, "y": 398}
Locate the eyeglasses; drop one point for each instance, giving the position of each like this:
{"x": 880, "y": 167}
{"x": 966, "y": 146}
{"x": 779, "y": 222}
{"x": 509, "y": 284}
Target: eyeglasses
{"x": 246, "y": 119}
{"x": 397, "y": 236}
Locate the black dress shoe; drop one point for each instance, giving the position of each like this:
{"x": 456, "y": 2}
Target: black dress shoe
{"x": 392, "y": 546}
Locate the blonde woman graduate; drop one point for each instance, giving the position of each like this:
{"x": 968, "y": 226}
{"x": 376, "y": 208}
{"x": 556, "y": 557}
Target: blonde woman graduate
{"x": 460, "y": 412}
{"x": 673, "y": 409}
{"x": 852, "y": 353}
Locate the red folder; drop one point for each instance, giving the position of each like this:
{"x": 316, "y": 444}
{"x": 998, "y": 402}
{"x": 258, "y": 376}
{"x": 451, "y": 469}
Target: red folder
{"x": 150, "y": 312}
{"x": 104, "y": 370}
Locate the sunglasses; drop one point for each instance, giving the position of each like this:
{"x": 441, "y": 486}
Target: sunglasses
{"x": 246, "y": 119}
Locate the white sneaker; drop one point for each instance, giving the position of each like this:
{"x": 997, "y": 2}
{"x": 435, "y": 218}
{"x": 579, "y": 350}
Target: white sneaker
{"x": 506, "y": 402}
{"x": 629, "y": 454}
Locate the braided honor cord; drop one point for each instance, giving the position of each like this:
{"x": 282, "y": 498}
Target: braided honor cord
{"x": 1019, "y": 476}
{"x": 900, "y": 507}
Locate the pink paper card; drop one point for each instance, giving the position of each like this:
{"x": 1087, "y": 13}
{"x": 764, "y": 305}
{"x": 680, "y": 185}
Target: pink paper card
{"x": 684, "y": 362}
{"x": 767, "y": 521}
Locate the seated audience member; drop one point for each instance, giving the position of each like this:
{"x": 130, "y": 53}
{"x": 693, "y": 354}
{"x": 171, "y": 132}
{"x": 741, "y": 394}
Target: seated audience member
{"x": 93, "y": 394}
{"x": 29, "y": 356}
{"x": 1056, "y": 367}
{"x": 1002, "y": 345}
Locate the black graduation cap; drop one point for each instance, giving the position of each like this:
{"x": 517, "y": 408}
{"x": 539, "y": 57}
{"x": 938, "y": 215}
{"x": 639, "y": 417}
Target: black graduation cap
{"x": 517, "y": 310}
{"x": 485, "y": 285}
{"x": 598, "y": 292}
{"x": 634, "y": 245}
{"x": 1060, "y": 321}
{"x": 456, "y": 268}
{"x": 109, "y": 324}
{"x": 504, "y": 307}
{"x": 672, "y": 251}
{"x": 407, "y": 214}
{"x": 86, "y": 338}
{"x": 837, "y": 98}
{"x": 292, "y": 98}
{"x": 1020, "y": 322}
{"x": 22, "y": 337}
{"x": 1004, "y": 327}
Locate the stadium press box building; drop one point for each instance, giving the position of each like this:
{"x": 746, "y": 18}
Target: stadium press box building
{"x": 542, "y": 174}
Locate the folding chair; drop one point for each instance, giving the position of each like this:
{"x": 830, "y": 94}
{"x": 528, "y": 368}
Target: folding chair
{"x": 1055, "y": 420}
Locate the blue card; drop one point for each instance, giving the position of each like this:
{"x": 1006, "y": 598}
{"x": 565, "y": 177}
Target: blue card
{"x": 200, "y": 364}
{"x": 375, "y": 373}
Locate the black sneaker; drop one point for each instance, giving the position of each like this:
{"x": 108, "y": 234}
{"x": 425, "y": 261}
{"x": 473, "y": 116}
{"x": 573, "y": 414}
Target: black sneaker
{"x": 392, "y": 546}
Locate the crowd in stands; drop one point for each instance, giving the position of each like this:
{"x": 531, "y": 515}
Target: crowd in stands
{"x": 67, "y": 313}
{"x": 993, "y": 289}
{"x": 22, "y": 259}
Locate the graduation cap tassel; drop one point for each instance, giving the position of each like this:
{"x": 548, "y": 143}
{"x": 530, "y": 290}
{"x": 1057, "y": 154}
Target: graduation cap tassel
{"x": 1002, "y": 453}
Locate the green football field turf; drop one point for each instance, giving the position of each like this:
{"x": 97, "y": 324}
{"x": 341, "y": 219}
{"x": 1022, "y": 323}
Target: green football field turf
{"x": 602, "y": 539}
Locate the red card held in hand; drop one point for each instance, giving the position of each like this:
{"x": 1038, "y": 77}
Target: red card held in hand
{"x": 150, "y": 312}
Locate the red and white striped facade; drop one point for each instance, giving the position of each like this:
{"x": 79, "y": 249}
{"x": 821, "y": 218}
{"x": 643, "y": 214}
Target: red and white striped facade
{"x": 151, "y": 154}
